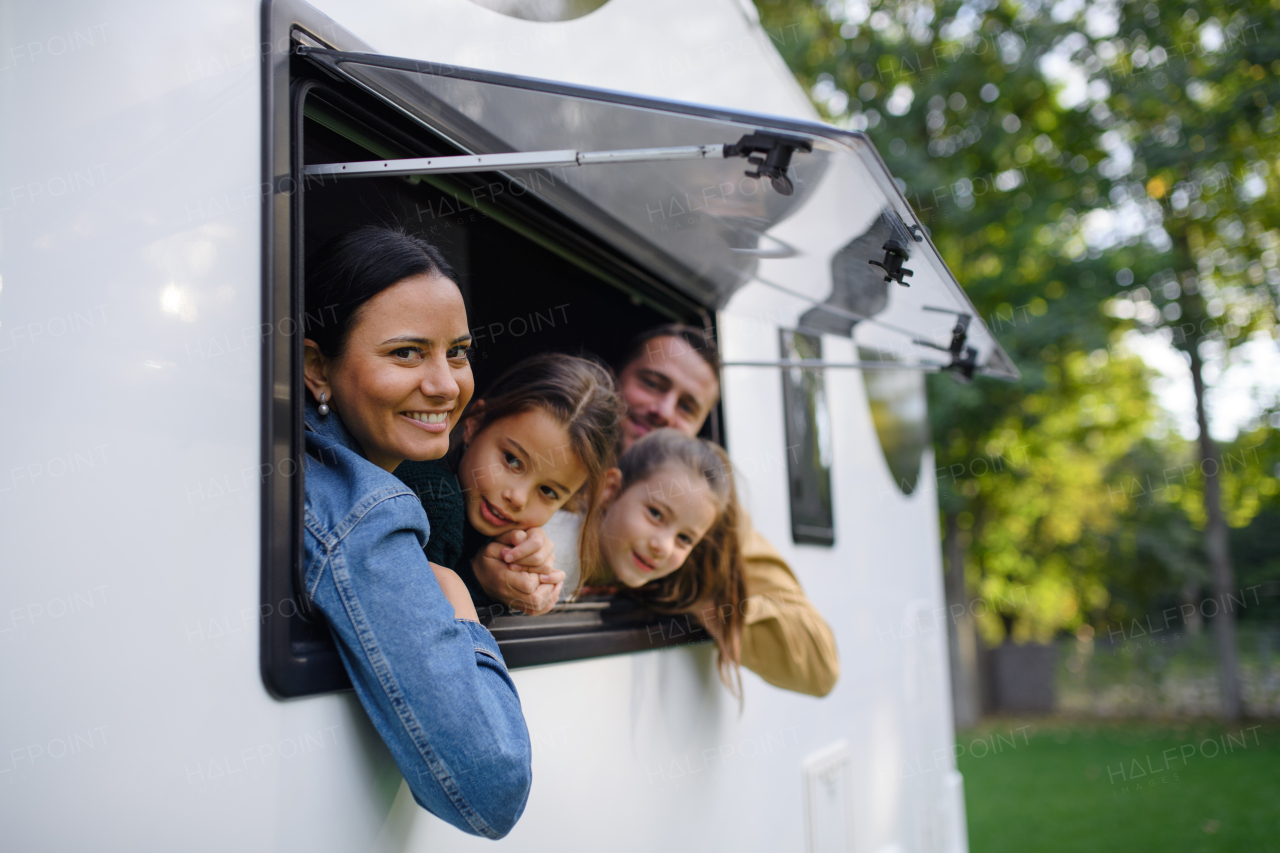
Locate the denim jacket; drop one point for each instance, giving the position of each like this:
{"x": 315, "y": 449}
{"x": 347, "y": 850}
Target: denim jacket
{"x": 435, "y": 686}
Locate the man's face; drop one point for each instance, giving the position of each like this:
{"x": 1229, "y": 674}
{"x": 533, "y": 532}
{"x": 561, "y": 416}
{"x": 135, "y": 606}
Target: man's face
{"x": 667, "y": 385}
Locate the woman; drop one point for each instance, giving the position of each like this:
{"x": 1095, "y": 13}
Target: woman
{"x": 388, "y": 377}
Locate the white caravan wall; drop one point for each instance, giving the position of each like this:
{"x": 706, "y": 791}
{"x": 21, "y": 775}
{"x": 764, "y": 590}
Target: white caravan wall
{"x": 706, "y": 52}
{"x": 131, "y": 263}
{"x": 135, "y": 717}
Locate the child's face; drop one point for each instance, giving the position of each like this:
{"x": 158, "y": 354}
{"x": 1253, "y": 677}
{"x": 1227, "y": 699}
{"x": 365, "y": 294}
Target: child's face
{"x": 517, "y": 472}
{"x": 647, "y": 533}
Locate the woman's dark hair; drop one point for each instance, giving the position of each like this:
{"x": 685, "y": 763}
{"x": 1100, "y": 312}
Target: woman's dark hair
{"x": 348, "y": 271}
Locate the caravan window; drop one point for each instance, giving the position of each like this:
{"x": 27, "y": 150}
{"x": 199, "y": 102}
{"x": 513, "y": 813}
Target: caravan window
{"x": 570, "y": 259}
{"x": 808, "y": 432}
{"x": 533, "y": 281}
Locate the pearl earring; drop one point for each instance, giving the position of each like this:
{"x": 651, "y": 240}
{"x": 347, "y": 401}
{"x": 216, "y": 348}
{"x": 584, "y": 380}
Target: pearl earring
{"x": 324, "y": 407}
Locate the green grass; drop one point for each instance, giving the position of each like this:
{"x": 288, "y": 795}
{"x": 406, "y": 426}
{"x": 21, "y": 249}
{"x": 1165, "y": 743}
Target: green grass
{"x": 1060, "y": 788}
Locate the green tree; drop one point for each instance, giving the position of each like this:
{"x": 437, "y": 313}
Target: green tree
{"x": 1189, "y": 108}
{"x": 1036, "y": 144}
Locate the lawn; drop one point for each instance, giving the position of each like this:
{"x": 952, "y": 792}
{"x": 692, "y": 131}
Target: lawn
{"x": 1165, "y": 787}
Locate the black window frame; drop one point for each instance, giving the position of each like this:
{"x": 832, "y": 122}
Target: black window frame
{"x": 297, "y": 655}
{"x": 288, "y": 24}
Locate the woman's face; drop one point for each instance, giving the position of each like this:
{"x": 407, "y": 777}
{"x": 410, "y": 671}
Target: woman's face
{"x": 403, "y": 378}
{"x": 517, "y": 472}
{"x": 649, "y": 530}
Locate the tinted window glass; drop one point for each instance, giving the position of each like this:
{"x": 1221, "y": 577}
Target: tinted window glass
{"x": 804, "y": 398}
{"x": 702, "y": 224}
{"x": 900, "y": 412}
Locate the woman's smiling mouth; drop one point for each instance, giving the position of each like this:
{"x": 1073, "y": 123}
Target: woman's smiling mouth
{"x": 490, "y": 514}
{"x": 429, "y": 421}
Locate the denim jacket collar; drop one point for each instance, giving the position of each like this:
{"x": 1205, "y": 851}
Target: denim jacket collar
{"x": 329, "y": 427}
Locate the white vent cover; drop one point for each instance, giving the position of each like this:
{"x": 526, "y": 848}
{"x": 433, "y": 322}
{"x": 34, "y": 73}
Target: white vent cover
{"x": 953, "y": 809}
{"x": 828, "y": 791}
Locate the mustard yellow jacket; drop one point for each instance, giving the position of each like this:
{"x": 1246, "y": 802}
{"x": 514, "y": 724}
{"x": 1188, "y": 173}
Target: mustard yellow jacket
{"x": 785, "y": 641}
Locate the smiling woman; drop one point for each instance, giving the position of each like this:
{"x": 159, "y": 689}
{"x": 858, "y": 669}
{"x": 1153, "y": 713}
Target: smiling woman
{"x": 394, "y": 365}
{"x": 388, "y": 377}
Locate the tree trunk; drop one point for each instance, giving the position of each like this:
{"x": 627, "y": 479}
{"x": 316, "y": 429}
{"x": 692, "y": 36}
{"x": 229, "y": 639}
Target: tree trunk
{"x": 962, "y": 639}
{"x": 1191, "y": 596}
{"x": 1218, "y": 551}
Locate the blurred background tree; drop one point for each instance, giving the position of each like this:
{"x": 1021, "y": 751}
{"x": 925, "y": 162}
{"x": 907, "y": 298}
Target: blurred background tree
{"x": 1097, "y": 176}
{"x": 1200, "y": 123}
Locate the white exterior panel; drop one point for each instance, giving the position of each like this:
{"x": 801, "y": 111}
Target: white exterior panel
{"x": 130, "y": 439}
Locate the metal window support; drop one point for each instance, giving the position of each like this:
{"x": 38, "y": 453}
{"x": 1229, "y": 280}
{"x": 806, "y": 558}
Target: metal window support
{"x": 511, "y": 162}
{"x": 818, "y": 364}
{"x": 963, "y": 357}
{"x": 772, "y": 158}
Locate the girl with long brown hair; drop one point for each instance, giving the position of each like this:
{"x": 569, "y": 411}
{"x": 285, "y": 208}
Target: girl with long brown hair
{"x": 542, "y": 435}
{"x": 668, "y": 533}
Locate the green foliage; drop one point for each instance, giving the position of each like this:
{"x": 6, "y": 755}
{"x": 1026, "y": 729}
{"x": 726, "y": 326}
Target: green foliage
{"x": 1080, "y": 175}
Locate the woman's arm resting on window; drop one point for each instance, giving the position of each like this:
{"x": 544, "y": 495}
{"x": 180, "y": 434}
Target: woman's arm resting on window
{"x": 434, "y": 685}
{"x": 456, "y": 591}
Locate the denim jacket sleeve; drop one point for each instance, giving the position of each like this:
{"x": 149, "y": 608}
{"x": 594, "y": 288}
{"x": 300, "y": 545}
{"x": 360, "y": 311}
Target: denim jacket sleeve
{"x": 435, "y": 686}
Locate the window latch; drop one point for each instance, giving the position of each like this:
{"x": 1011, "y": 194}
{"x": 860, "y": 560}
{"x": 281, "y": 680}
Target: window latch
{"x": 894, "y": 255}
{"x": 964, "y": 358}
{"x": 777, "y": 149}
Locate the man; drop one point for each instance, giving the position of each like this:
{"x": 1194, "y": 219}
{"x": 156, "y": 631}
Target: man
{"x": 671, "y": 378}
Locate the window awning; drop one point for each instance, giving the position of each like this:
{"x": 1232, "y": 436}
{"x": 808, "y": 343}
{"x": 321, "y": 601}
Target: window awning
{"x": 665, "y": 183}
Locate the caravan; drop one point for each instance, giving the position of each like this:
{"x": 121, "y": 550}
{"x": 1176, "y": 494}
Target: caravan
{"x": 166, "y": 171}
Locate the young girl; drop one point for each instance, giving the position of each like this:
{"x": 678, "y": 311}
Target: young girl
{"x": 544, "y": 433}
{"x": 668, "y": 532}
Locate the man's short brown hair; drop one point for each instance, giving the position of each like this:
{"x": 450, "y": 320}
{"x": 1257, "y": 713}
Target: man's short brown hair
{"x": 699, "y": 340}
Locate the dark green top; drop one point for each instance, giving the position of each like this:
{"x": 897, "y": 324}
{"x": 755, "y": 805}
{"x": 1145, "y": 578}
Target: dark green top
{"x": 453, "y": 541}
{"x": 441, "y": 496}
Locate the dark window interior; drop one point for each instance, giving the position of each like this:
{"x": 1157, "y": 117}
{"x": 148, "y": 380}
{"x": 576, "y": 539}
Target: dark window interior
{"x": 522, "y": 297}
{"x": 533, "y": 281}
{"x": 808, "y": 430}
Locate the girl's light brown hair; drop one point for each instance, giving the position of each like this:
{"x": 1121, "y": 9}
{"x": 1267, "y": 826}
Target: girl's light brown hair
{"x": 713, "y": 573}
{"x": 580, "y": 396}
